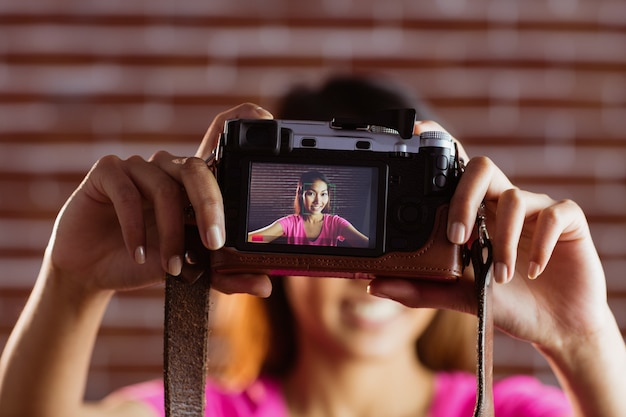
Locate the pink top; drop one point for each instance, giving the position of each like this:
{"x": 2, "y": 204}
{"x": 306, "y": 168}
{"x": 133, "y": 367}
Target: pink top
{"x": 455, "y": 394}
{"x": 293, "y": 229}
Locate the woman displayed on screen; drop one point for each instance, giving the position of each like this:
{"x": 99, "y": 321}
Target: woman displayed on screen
{"x": 311, "y": 223}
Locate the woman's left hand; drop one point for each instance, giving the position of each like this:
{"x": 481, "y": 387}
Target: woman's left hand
{"x": 550, "y": 286}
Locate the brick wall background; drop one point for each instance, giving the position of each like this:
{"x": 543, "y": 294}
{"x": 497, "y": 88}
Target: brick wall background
{"x": 540, "y": 87}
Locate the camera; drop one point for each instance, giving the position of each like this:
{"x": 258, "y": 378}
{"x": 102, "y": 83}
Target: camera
{"x": 375, "y": 203}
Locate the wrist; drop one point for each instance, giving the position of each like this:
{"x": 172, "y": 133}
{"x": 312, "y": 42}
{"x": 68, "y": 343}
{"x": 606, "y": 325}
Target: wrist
{"x": 584, "y": 341}
{"x": 591, "y": 368}
{"x": 75, "y": 292}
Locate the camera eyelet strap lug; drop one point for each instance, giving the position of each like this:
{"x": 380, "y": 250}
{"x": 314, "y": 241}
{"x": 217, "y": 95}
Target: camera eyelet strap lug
{"x": 482, "y": 260}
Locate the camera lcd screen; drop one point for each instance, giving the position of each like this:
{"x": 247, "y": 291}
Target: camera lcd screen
{"x": 313, "y": 208}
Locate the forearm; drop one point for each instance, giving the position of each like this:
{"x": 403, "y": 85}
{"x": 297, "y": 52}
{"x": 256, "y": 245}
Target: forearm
{"x": 44, "y": 365}
{"x": 593, "y": 372}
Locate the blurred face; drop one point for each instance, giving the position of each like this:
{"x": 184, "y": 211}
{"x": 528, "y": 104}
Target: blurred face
{"x": 315, "y": 197}
{"x": 339, "y": 318}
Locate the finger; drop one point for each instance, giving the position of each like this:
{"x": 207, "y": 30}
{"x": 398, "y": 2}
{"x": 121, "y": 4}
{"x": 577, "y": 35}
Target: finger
{"x": 560, "y": 221}
{"x": 242, "y": 111}
{"x": 510, "y": 216}
{"x": 206, "y": 199}
{"x": 422, "y": 126}
{"x": 482, "y": 180}
{"x": 514, "y": 208}
{"x": 203, "y": 193}
{"x": 458, "y": 295}
{"x": 166, "y": 196}
{"x": 108, "y": 182}
{"x": 255, "y": 284}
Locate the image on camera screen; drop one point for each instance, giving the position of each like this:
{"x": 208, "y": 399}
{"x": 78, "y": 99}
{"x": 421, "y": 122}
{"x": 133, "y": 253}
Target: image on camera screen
{"x": 313, "y": 205}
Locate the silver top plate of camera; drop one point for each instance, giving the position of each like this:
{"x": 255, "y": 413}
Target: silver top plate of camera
{"x": 320, "y": 135}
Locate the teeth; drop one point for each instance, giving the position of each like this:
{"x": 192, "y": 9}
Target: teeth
{"x": 377, "y": 310}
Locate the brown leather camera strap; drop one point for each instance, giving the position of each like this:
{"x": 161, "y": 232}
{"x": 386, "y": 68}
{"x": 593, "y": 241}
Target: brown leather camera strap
{"x": 185, "y": 345}
{"x": 186, "y": 333}
{"x": 482, "y": 260}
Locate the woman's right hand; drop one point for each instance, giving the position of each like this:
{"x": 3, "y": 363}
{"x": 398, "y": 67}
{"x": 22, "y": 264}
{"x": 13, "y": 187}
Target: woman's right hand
{"x": 123, "y": 227}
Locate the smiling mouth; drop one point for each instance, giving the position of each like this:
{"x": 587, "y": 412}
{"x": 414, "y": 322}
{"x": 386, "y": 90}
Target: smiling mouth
{"x": 377, "y": 311}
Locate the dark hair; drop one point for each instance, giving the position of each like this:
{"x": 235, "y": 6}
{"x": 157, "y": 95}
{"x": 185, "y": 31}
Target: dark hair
{"x": 349, "y": 96}
{"x": 306, "y": 179}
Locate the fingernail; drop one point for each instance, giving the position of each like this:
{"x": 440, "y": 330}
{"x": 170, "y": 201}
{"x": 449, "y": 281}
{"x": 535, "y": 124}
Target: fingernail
{"x": 456, "y": 233}
{"x": 266, "y": 113}
{"x": 533, "y": 270}
{"x": 374, "y": 292}
{"x": 215, "y": 238}
{"x": 140, "y": 255}
{"x": 175, "y": 265}
{"x": 501, "y": 273}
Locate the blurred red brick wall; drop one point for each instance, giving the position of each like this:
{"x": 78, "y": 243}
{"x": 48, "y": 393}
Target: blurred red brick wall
{"x": 540, "y": 89}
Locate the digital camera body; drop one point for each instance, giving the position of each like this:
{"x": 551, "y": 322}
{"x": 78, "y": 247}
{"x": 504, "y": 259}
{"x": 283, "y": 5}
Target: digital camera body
{"x": 394, "y": 190}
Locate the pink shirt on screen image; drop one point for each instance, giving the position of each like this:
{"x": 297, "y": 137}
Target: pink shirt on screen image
{"x": 293, "y": 229}
{"x": 455, "y": 394}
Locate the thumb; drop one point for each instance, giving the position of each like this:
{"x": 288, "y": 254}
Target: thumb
{"x": 458, "y": 295}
